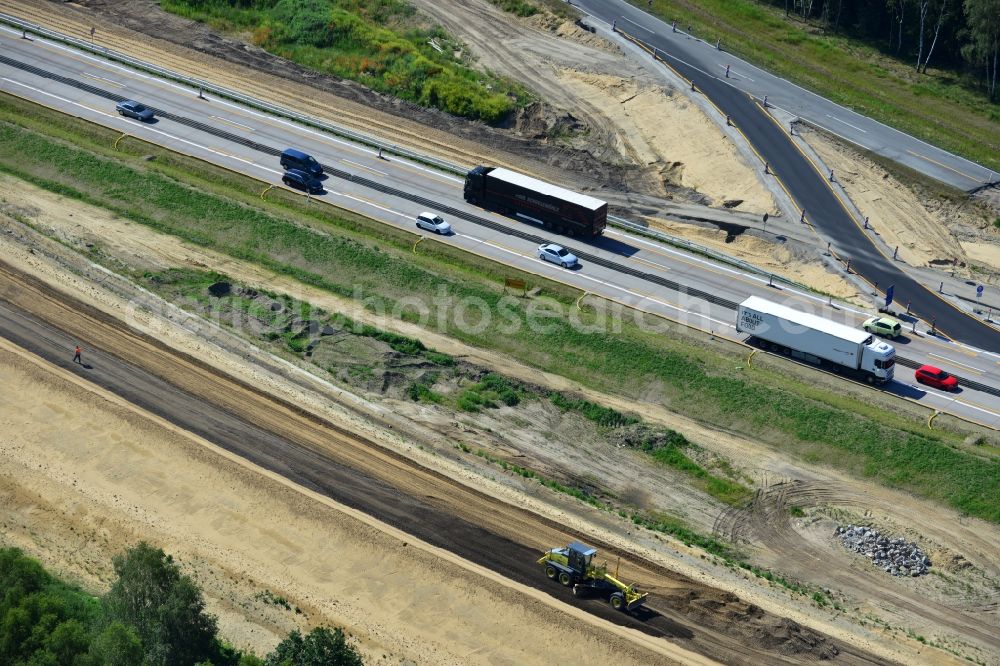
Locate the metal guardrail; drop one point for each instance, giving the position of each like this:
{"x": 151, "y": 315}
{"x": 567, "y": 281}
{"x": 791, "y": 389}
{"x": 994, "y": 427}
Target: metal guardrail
{"x": 200, "y": 85}
{"x": 715, "y": 255}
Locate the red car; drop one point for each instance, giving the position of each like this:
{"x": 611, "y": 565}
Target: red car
{"x": 936, "y": 377}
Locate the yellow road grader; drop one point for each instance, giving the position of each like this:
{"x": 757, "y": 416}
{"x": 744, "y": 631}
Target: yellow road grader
{"x": 573, "y": 566}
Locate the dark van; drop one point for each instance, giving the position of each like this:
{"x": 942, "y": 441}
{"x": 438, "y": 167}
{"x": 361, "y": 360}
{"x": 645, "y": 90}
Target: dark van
{"x": 296, "y": 159}
{"x": 302, "y": 180}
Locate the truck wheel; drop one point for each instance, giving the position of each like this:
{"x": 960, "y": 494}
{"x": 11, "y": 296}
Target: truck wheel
{"x": 870, "y": 379}
{"x": 617, "y": 601}
{"x": 551, "y": 572}
{"x": 565, "y": 579}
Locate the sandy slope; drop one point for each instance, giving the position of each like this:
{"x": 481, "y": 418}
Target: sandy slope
{"x": 929, "y": 230}
{"x": 630, "y": 115}
{"x": 83, "y": 475}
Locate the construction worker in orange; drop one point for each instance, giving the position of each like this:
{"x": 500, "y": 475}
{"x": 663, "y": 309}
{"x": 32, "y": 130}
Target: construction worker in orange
{"x": 76, "y": 357}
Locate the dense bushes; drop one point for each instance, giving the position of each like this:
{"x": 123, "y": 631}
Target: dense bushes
{"x": 152, "y": 616}
{"x": 379, "y": 44}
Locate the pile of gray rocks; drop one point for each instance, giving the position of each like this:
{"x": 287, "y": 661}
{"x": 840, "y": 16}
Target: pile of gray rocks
{"x": 894, "y": 556}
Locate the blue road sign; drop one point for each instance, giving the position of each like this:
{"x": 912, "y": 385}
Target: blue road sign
{"x": 888, "y": 295}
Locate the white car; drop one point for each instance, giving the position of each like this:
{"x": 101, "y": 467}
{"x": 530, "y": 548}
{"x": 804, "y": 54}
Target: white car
{"x": 557, "y": 254}
{"x": 432, "y": 222}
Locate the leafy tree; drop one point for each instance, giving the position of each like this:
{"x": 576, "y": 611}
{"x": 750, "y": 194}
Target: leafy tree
{"x": 116, "y": 645}
{"x": 42, "y": 621}
{"x": 984, "y": 32}
{"x": 164, "y": 608}
{"x": 320, "y": 647}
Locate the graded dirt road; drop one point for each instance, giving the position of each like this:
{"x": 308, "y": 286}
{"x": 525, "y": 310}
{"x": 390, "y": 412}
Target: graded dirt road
{"x": 85, "y": 475}
{"x": 357, "y": 473}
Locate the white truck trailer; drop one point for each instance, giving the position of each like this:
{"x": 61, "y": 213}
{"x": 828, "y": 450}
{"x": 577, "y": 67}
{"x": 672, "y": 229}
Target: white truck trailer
{"x": 816, "y": 339}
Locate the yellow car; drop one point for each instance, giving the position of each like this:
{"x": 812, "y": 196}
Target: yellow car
{"x": 883, "y": 326}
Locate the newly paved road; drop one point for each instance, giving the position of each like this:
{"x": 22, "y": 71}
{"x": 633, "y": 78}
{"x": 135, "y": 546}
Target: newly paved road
{"x": 701, "y": 56}
{"x": 804, "y": 183}
{"x": 619, "y": 267}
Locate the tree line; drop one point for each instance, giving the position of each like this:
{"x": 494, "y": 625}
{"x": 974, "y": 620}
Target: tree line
{"x": 962, "y": 35}
{"x": 153, "y": 615}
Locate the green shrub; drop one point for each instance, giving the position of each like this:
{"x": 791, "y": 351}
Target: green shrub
{"x": 437, "y": 358}
{"x": 517, "y": 7}
{"x": 603, "y": 416}
{"x": 377, "y": 44}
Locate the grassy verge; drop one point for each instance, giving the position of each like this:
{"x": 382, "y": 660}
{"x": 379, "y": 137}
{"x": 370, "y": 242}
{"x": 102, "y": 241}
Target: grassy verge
{"x": 937, "y": 108}
{"x": 384, "y": 45}
{"x": 298, "y": 328}
{"x": 320, "y": 247}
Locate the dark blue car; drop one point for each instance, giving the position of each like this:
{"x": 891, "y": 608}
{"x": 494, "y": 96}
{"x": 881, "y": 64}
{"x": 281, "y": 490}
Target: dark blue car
{"x": 302, "y": 181}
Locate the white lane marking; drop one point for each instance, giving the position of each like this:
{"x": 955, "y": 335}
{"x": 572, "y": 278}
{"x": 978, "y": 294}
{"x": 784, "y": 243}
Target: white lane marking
{"x": 846, "y": 123}
{"x": 134, "y": 123}
{"x": 722, "y": 268}
{"x": 641, "y": 27}
{"x": 735, "y": 73}
{"x": 373, "y": 205}
{"x": 233, "y": 122}
{"x": 358, "y": 164}
{"x": 101, "y": 78}
{"x": 331, "y": 139}
{"x": 951, "y": 360}
{"x": 826, "y": 126}
{"x": 583, "y": 276}
{"x": 272, "y": 118}
{"x": 61, "y": 99}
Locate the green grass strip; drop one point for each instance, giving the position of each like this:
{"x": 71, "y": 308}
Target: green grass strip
{"x": 693, "y": 378}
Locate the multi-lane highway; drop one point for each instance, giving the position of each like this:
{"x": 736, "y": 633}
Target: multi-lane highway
{"x": 621, "y": 267}
{"x": 797, "y": 174}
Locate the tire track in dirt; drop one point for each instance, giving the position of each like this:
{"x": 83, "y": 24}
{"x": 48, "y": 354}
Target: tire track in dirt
{"x": 766, "y": 522}
{"x": 360, "y": 474}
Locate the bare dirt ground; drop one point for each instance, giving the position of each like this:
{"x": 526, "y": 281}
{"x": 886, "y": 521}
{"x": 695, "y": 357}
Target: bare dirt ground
{"x": 941, "y": 531}
{"x": 790, "y": 260}
{"x": 929, "y": 229}
{"x": 630, "y": 116}
{"x": 435, "y": 507}
{"x": 84, "y": 475}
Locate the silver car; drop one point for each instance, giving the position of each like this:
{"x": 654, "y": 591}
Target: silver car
{"x": 133, "y": 109}
{"x": 557, "y": 254}
{"x": 432, "y": 222}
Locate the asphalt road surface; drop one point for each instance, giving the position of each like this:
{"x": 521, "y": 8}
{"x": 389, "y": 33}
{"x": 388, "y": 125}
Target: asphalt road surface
{"x": 620, "y": 266}
{"x": 701, "y": 57}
